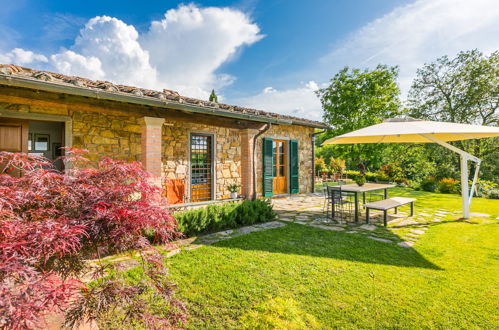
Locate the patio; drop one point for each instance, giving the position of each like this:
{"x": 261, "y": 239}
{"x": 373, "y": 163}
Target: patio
{"x": 307, "y": 209}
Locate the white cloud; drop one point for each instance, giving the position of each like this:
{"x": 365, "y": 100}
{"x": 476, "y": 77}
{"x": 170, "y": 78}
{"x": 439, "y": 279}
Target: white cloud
{"x": 418, "y": 33}
{"x": 182, "y": 51}
{"x": 189, "y": 44}
{"x": 22, "y": 57}
{"x": 71, "y": 63}
{"x": 300, "y": 102}
{"x": 107, "y": 48}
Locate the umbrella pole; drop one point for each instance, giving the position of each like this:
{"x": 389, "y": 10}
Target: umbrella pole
{"x": 466, "y": 194}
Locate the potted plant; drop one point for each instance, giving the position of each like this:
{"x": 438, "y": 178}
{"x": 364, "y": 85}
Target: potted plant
{"x": 360, "y": 180}
{"x": 233, "y": 188}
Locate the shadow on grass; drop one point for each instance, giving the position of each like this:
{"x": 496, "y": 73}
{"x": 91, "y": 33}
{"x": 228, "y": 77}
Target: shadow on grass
{"x": 308, "y": 241}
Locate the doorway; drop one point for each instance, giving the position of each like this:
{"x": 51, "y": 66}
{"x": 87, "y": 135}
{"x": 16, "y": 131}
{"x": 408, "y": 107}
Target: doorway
{"x": 280, "y": 168}
{"x": 42, "y": 138}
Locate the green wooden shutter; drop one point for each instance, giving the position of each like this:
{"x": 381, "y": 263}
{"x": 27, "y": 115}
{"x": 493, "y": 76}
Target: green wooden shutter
{"x": 294, "y": 172}
{"x": 268, "y": 177}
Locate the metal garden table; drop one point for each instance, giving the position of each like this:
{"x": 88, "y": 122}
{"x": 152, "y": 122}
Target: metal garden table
{"x": 366, "y": 187}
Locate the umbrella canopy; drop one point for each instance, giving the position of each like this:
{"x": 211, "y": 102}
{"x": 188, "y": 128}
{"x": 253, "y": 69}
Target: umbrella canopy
{"x": 407, "y": 130}
{"x": 413, "y": 130}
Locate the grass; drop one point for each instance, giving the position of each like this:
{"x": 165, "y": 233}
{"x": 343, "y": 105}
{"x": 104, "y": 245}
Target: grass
{"x": 303, "y": 277}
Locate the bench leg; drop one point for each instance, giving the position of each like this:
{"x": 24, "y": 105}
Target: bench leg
{"x": 384, "y": 217}
{"x": 396, "y": 210}
{"x": 367, "y": 215}
{"x": 412, "y": 209}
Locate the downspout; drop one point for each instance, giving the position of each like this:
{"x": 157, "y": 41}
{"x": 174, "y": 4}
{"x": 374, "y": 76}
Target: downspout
{"x": 313, "y": 157}
{"x": 260, "y": 132}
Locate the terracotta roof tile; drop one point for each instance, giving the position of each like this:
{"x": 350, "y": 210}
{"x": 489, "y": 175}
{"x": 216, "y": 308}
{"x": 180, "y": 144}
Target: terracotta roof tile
{"x": 52, "y": 77}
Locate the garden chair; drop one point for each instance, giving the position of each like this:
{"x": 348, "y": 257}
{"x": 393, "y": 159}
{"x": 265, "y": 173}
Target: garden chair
{"x": 342, "y": 205}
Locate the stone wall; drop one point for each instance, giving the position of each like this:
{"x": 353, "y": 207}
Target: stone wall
{"x": 105, "y": 134}
{"x": 227, "y": 153}
{"x": 287, "y": 132}
{"x": 101, "y": 134}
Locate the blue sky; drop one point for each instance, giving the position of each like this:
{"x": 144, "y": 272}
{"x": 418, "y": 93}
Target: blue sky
{"x": 271, "y": 55}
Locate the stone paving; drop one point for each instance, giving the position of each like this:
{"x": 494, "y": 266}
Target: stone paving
{"x": 402, "y": 230}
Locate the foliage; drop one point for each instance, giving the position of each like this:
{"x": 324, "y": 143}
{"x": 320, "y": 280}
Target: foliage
{"x": 448, "y": 186}
{"x": 213, "y": 96}
{"x": 493, "y": 194}
{"x": 463, "y": 89}
{"x": 223, "y": 216}
{"x": 360, "y": 179}
{"x": 278, "y": 313}
{"x": 356, "y": 99}
{"x": 233, "y": 188}
{"x": 429, "y": 184}
{"x": 393, "y": 172}
{"x": 337, "y": 165}
{"x": 148, "y": 302}
{"x": 50, "y": 221}
{"x": 320, "y": 165}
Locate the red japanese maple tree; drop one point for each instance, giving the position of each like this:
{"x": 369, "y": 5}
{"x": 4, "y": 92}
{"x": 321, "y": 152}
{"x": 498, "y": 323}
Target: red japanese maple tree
{"x": 50, "y": 221}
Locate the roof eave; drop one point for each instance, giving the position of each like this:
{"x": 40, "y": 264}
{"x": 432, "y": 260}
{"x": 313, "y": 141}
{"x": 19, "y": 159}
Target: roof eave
{"x": 16, "y": 81}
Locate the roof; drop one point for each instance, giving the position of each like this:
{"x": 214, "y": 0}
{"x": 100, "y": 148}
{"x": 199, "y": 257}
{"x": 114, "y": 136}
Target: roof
{"x": 14, "y": 75}
{"x": 401, "y": 130}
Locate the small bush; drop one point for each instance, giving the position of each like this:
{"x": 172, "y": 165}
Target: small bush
{"x": 371, "y": 176}
{"x": 217, "y": 217}
{"x": 351, "y": 173}
{"x": 429, "y": 184}
{"x": 448, "y": 186}
{"x": 493, "y": 194}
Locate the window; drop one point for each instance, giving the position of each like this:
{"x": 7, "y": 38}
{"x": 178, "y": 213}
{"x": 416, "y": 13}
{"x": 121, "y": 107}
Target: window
{"x": 201, "y": 167}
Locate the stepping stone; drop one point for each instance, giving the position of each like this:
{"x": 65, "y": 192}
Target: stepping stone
{"x": 408, "y": 238}
{"x": 302, "y": 217}
{"x": 379, "y": 239}
{"x": 192, "y": 247}
{"x": 247, "y": 230}
{"x": 328, "y": 227}
{"x": 418, "y": 231}
{"x": 172, "y": 253}
{"x": 287, "y": 214}
{"x": 351, "y": 232}
{"x": 424, "y": 215}
{"x": 225, "y": 233}
{"x": 405, "y": 244}
{"x": 286, "y": 219}
{"x": 481, "y": 215}
{"x": 368, "y": 227}
{"x": 412, "y": 235}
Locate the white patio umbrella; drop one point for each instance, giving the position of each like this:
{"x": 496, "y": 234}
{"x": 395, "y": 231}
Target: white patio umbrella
{"x": 410, "y": 130}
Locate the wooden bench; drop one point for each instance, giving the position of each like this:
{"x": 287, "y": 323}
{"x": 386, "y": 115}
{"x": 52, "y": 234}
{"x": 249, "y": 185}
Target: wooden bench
{"x": 387, "y": 204}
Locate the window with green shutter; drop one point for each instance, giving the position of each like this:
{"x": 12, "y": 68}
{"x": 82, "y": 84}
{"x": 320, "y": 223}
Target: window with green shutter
{"x": 294, "y": 184}
{"x": 268, "y": 177}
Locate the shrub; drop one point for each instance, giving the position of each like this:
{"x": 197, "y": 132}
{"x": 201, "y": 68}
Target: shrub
{"x": 493, "y": 194}
{"x": 337, "y": 165}
{"x": 351, "y": 173}
{"x": 394, "y": 172}
{"x": 223, "y": 216}
{"x": 382, "y": 177}
{"x": 429, "y": 184}
{"x": 50, "y": 221}
{"x": 371, "y": 176}
{"x": 448, "y": 186}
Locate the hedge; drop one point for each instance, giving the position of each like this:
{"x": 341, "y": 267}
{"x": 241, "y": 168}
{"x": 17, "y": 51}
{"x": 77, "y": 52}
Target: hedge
{"x": 217, "y": 217}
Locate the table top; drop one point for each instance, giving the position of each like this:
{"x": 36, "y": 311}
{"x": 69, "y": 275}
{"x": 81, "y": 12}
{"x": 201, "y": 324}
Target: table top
{"x": 365, "y": 187}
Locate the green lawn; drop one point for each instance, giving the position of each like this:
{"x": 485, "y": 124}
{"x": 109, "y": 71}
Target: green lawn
{"x": 302, "y": 277}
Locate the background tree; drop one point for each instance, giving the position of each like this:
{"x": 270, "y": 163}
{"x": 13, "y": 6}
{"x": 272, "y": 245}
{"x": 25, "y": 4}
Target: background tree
{"x": 213, "y": 96}
{"x": 357, "y": 99}
{"x": 464, "y": 89}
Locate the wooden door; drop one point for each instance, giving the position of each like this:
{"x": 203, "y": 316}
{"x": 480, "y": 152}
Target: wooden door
{"x": 201, "y": 167}
{"x": 13, "y": 138}
{"x": 280, "y": 168}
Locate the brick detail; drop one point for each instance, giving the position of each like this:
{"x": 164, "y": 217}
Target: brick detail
{"x": 151, "y": 144}
{"x": 247, "y": 158}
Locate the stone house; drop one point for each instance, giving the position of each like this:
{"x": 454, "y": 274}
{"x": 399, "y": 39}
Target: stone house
{"x": 195, "y": 148}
